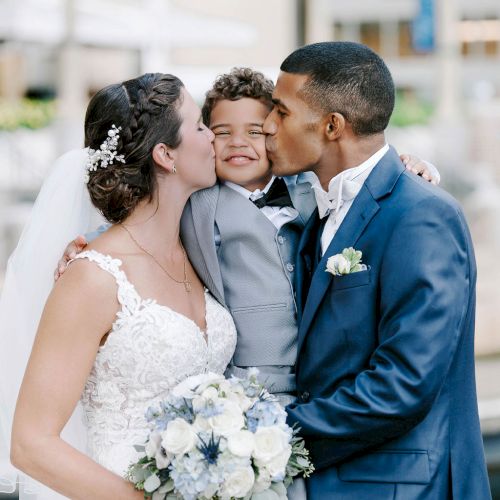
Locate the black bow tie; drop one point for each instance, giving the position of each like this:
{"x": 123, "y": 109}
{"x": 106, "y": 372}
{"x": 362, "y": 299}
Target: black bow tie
{"x": 277, "y": 196}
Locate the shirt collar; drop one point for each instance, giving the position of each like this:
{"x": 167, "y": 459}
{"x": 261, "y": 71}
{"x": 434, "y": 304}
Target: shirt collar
{"x": 253, "y": 195}
{"x": 352, "y": 178}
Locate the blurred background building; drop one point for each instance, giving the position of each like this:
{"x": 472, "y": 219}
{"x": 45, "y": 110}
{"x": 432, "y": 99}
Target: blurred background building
{"x": 444, "y": 56}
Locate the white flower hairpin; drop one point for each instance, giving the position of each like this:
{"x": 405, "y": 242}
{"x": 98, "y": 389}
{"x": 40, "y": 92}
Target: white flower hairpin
{"x": 106, "y": 154}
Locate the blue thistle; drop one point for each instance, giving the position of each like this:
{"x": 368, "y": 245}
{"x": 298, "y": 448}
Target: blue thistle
{"x": 210, "y": 449}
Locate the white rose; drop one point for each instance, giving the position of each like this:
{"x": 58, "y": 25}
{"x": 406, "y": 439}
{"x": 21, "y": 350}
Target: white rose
{"x": 210, "y": 393}
{"x": 244, "y": 402}
{"x": 153, "y": 445}
{"x": 338, "y": 265}
{"x": 209, "y": 379}
{"x": 225, "y": 386}
{"x": 269, "y": 443}
{"x": 241, "y": 443}
{"x": 196, "y": 383}
{"x": 263, "y": 481}
{"x": 179, "y": 438}
{"x": 231, "y": 420}
{"x": 201, "y": 424}
{"x": 276, "y": 467}
{"x": 238, "y": 483}
{"x": 199, "y": 403}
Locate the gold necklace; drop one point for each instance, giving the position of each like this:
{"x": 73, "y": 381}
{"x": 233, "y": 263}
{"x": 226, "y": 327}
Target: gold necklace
{"x": 185, "y": 281}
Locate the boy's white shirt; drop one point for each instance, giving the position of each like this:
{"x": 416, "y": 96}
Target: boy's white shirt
{"x": 277, "y": 215}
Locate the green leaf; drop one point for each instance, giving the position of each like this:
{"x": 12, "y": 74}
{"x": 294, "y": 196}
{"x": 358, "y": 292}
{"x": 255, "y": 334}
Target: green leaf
{"x": 152, "y": 483}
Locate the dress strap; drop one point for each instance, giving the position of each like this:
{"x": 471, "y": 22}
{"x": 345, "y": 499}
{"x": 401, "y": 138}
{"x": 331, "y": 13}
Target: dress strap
{"x": 127, "y": 295}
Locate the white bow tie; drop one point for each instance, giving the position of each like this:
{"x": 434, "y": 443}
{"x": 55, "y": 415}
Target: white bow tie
{"x": 340, "y": 191}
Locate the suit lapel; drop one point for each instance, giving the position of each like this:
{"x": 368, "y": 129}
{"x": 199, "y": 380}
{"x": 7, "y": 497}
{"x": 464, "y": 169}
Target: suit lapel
{"x": 380, "y": 182}
{"x": 359, "y": 216}
{"x": 304, "y": 263}
{"x": 203, "y": 205}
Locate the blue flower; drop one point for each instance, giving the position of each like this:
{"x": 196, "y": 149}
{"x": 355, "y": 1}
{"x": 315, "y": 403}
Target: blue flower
{"x": 191, "y": 475}
{"x": 263, "y": 414}
{"x": 210, "y": 449}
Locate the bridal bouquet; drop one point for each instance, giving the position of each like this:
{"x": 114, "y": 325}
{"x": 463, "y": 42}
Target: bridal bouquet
{"x": 217, "y": 438}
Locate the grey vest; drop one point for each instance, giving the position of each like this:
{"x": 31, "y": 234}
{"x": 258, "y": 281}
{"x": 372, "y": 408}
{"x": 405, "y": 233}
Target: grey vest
{"x": 257, "y": 264}
{"x": 251, "y": 274}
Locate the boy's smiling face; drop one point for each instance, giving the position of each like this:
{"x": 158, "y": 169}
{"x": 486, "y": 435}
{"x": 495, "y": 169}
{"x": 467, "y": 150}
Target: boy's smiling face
{"x": 240, "y": 143}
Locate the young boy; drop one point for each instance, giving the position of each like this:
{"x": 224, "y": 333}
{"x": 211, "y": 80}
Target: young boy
{"x": 245, "y": 229}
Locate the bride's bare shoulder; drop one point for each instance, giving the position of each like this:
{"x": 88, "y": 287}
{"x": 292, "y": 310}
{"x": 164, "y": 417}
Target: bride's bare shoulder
{"x": 90, "y": 278}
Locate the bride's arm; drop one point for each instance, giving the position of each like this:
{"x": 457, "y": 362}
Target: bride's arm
{"x": 78, "y": 313}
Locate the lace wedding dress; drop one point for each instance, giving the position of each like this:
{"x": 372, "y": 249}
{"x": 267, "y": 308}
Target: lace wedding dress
{"x": 149, "y": 350}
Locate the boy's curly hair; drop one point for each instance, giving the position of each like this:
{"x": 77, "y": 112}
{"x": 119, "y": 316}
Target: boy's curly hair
{"x": 238, "y": 83}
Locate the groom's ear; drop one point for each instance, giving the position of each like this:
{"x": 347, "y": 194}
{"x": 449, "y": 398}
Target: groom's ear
{"x": 334, "y": 126}
{"x": 162, "y": 156}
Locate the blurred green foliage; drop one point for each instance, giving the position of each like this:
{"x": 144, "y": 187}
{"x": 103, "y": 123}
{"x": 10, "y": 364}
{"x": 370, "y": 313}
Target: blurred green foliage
{"x": 410, "y": 109}
{"x": 27, "y": 113}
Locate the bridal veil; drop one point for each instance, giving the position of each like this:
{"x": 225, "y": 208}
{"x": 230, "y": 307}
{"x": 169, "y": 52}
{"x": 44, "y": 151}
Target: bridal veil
{"x": 62, "y": 211}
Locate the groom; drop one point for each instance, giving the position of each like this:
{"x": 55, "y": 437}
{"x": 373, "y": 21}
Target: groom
{"x": 385, "y": 371}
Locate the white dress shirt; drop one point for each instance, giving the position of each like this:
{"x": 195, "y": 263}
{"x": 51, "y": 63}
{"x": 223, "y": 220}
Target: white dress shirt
{"x": 342, "y": 190}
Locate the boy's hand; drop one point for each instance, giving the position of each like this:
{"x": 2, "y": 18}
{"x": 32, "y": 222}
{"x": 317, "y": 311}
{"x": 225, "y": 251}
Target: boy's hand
{"x": 420, "y": 167}
{"x": 76, "y": 246}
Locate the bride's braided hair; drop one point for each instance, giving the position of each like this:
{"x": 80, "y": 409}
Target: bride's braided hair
{"x": 146, "y": 109}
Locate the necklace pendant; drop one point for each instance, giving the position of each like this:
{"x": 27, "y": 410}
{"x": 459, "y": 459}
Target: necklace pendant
{"x": 187, "y": 286}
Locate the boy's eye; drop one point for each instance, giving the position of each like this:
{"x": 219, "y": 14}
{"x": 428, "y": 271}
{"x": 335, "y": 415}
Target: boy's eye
{"x": 281, "y": 114}
{"x": 256, "y": 132}
{"x": 221, "y": 132}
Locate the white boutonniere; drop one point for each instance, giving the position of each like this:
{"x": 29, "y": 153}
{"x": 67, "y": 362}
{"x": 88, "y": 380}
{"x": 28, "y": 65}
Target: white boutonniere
{"x": 347, "y": 262}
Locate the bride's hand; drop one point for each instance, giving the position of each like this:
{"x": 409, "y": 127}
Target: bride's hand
{"x": 422, "y": 168}
{"x": 76, "y": 246}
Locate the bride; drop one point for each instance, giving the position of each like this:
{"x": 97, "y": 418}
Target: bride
{"x": 129, "y": 319}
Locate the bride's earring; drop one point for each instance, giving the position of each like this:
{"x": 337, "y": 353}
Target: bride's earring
{"x": 174, "y": 170}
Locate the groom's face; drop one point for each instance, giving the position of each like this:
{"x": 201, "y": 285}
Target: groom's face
{"x": 295, "y": 140}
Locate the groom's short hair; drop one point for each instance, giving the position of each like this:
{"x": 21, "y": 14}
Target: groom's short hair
{"x": 347, "y": 78}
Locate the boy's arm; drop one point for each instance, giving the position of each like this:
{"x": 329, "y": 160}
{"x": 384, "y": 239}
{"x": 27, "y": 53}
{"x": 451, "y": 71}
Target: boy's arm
{"x": 423, "y": 168}
{"x": 414, "y": 164}
{"x": 77, "y": 246}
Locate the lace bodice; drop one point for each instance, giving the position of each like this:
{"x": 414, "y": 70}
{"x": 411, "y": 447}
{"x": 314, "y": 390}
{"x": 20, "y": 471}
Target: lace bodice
{"x": 149, "y": 349}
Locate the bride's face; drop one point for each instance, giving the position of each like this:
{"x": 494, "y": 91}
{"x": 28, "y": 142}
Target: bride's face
{"x": 195, "y": 156}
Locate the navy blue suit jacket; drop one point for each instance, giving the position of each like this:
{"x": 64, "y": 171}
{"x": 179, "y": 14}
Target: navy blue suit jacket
{"x": 385, "y": 370}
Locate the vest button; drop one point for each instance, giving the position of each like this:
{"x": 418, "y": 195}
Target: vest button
{"x": 281, "y": 240}
{"x": 305, "y": 396}
{"x": 290, "y": 267}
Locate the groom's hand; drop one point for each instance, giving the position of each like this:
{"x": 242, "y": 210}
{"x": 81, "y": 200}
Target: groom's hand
{"x": 76, "y": 246}
{"x": 422, "y": 168}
